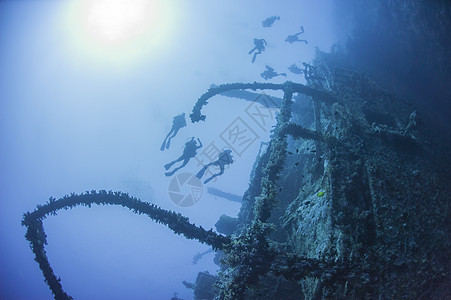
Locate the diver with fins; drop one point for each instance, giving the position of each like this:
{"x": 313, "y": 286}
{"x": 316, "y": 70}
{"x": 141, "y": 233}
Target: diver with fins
{"x": 224, "y": 158}
{"x": 178, "y": 122}
{"x": 189, "y": 152}
{"x": 259, "y": 48}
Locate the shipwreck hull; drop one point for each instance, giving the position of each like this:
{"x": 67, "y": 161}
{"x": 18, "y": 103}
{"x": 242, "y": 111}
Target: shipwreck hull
{"x": 368, "y": 196}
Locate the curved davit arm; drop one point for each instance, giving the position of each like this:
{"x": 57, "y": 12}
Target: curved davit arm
{"x": 176, "y": 222}
{"x": 288, "y": 86}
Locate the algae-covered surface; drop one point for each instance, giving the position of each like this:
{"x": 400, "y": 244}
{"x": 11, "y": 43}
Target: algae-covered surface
{"x": 369, "y": 202}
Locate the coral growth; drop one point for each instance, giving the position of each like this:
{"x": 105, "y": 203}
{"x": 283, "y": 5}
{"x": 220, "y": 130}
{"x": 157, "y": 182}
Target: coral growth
{"x": 175, "y": 221}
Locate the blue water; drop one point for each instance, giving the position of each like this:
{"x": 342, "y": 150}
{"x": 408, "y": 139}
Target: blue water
{"x": 77, "y": 114}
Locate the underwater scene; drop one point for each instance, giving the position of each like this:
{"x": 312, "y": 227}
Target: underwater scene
{"x": 169, "y": 149}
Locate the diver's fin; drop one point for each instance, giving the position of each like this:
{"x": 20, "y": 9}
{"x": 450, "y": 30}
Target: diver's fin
{"x": 209, "y": 179}
{"x": 201, "y": 172}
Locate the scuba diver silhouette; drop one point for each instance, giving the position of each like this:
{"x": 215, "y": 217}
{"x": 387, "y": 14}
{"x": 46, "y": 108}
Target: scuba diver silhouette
{"x": 308, "y": 71}
{"x": 189, "y": 152}
{"x": 295, "y": 69}
{"x": 259, "y": 48}
{"x": 268, "y": 22}
{"x": 295, "y": 38}
{"x": 178, "y": 122}
{"x": 224, "y": 158}
{"x": 270, "y": 73}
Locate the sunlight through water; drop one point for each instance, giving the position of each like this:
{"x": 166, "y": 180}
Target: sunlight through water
{"x": 120, "y": 31}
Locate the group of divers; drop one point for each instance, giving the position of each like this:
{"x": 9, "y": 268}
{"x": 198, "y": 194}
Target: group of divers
{"x": 190, "y": 151}
{"x": 260, "y": 46}
{"x": 225, "y": 157}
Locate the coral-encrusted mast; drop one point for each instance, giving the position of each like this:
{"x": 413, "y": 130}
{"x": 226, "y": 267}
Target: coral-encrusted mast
{"x": 175, "y": 221}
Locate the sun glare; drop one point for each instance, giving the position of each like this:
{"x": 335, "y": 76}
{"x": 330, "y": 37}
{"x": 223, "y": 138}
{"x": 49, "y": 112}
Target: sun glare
{"x": 116, "y": 21}
{"x": 120, "y": 30}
